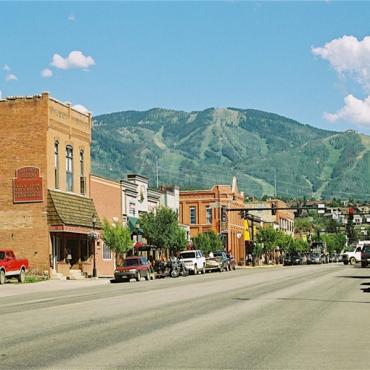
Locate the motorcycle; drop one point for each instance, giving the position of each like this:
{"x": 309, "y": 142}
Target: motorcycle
{"x": 169, "y": 268}
{"x": 183, "y": 269}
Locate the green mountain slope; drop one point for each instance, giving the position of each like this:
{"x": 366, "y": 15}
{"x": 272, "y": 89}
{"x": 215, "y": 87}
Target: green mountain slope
{"x": 199, "y": 149}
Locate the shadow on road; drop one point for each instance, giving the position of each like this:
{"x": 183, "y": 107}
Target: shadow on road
{"x": 355, "y": 277}
{"x": 317, "y": 300}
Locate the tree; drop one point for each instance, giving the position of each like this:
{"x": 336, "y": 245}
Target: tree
{"x": 208, "y": 242}
{"x": 269, "y": 237}
{"x": 162, "y": 229}
{"x": 117, "y": 237}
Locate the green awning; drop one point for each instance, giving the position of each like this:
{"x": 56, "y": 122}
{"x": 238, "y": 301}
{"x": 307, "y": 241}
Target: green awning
{"x": 134, "y": 226}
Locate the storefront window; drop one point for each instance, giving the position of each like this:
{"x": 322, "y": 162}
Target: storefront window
{"x": 107, "y": 253}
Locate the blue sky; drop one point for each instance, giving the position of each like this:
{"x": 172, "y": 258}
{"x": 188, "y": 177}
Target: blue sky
{"x": 288, "y": 58}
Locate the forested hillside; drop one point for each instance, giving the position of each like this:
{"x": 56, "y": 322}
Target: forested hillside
{"x": 199, "y": 149}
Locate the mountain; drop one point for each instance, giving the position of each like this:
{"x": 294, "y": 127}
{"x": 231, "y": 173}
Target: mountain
{"x": 200, "y": 149}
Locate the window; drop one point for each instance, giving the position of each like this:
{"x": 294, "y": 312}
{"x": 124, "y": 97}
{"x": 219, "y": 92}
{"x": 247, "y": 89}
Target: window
{"x": 131, "y": 209}
{"x": 69, "y": 168}
{"x": 208, "y": 215}
{"x": 107, "y": 253}
{"x": 193, "y": 217}
{"x": 56, "y": 164}
{"x": 82, "y": 177}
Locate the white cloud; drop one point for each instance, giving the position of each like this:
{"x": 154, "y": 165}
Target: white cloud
{"x": 11, "y": 77}
{"x": 71, "y": 17}
{"x": 81, "y": 108}
{"x": 6, "y": 68}
{"x": 75, "y": 60}
{"x": 348, "y": 56}
{"x": 1, "y": 94}
{"x": 46, "y": 73}
{"x": 354, "y": 110}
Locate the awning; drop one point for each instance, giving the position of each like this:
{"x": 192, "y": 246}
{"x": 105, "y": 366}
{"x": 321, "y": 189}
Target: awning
{"x": 139, "y": 246}
{"x": 66, "y": 209}
{"x": 134, "y": 226}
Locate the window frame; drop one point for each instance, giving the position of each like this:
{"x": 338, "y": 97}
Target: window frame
{"x": 193, "y": 208}
{"x": 69, "y": 168}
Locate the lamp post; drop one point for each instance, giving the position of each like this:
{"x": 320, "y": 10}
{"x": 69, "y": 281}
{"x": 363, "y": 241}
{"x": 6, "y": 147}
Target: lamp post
{"x": 94, "y": 238}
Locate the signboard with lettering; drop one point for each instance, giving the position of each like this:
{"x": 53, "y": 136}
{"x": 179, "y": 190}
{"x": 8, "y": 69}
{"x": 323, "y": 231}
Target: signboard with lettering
{"x": 27, "y": 185}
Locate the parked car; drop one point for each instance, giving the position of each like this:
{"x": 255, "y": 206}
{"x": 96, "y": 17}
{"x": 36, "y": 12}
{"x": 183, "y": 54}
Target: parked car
{"x": 214, "y": 264}
{"x": 232, "y": 262}
{"x": 292, "y": 259}
{"x": 224, "y": 259}
{"x": 315, "y": 258}
{"x": 10, "y": 266}
{"x": 365, "y": 255}
{"x": 194, "y": 261}
{"x": 351, "y": 257}
{"x": 134, "y": 267}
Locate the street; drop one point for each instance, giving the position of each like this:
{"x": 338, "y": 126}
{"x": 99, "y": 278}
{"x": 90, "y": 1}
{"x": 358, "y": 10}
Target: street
{"x": 299, "y": 317}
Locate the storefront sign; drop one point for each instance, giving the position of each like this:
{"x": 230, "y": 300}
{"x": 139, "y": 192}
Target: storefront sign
{"x": 27, "y": 185}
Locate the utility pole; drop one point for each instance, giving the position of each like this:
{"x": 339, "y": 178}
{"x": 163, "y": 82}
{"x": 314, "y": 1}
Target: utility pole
{"x": 156, "y": 170}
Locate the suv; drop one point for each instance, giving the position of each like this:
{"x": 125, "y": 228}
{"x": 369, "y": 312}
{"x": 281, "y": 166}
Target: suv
{"x": 134, "y": 267}
{"x": 194, "y": 261}
{"x": 365, "y": 255}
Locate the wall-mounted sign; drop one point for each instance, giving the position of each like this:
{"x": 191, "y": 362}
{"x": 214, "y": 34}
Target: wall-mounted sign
{"x": 27, "y": 185}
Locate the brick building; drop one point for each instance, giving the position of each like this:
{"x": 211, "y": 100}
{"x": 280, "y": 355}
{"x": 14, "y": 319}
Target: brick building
{"x": 205, "y": 210}
{"x": 46, "y": 214}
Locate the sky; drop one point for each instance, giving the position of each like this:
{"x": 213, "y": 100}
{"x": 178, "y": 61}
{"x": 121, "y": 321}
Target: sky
{"x": 309, "y": 61}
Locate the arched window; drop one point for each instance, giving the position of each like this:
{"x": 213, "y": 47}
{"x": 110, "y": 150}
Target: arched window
{"x": 56, "y": 164}
{"x": 69, "y": 168}
{"x": 82, "y": 173}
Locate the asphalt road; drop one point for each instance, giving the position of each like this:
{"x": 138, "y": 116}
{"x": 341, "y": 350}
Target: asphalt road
{"x": 300, "y": 317}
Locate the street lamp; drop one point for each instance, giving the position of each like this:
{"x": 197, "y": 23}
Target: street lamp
{"x": 94, "y": 238}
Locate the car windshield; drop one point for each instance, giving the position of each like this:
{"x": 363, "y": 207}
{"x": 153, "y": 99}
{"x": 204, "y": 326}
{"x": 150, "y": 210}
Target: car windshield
{"x": 366, "y": 249}
{"x": 187, "y": 255}
{"x": 217, "y": 254}
{"x": 315, "y": 255}
{"x": 131, "y": 262}
{"x": 2, "y": 255}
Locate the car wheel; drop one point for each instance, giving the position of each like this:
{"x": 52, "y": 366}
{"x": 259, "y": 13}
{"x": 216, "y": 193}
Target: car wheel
{"x": 118, "y": 279}
{"x": 352, "y": 261}
{"x": 345, "y": 262}
{"x": 138, "y": 276}
{"x": 2, "y": 277}
{"x": 22, "y": 276}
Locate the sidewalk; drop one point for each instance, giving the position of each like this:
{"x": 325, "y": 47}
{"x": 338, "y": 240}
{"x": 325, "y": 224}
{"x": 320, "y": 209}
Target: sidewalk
{"x": 13, "y": 289}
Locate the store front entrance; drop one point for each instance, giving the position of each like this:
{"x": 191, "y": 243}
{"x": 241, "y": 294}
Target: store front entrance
{"x": 71, "y": 252}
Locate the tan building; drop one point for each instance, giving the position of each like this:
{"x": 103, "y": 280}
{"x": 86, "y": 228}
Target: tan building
{"x": 46, "y": 213}
{"x": 206, "y": 210}
{"x": 282, "y": 219}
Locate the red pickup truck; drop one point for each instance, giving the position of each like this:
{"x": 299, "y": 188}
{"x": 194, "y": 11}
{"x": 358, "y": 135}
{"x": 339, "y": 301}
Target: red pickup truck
{"x": 11, "y": 266}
